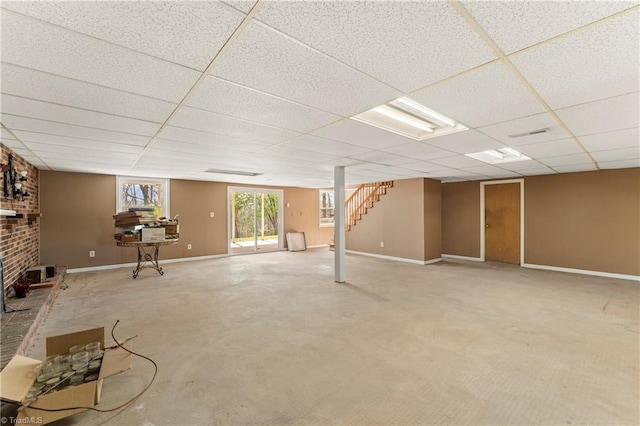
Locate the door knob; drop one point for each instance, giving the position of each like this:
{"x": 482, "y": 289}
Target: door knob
{"x": 487, "y": 225}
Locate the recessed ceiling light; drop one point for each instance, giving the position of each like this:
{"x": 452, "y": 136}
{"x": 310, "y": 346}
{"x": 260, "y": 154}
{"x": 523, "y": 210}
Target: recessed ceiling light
{"x": 406, "y": 117}
{"x": 232, "y": 172}
{"x": 499, "y": 156}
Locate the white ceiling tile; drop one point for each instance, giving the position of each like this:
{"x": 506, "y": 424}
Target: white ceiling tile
{"x": 505, "y": 174}
{"x": 615, "y": 113}
{"x": 38, "y": 85}
{"x": 271, "y": 62}
{"x": 388, "y": 40}
{"x": 89, "y": 166}
{"x": 192, "y": 118}
{"x": 298, "y": 154}
{"x": 466, "y": 142}
{"x": 419, "y": 151}
{"x": 224, "y": 97}
{"x": 537, "y": 171}
{"x": 551, "y": 149}
{"x": 399, "y": 171}
{"x": 458, "y": 161}
{"x": 596, "y": 63}
{"x": 502, "y": 131}
{"x": 519, "y": 166}
{"x": 382, "y": 158}
{"x": 204, "y": 149}
{"x": 31, "y": 138}
{"x": 47, "y": 111}
{"x": 242, "y": 5}
{"x": 169, "y": 149}
{"x": 4, "y": 134}
{"x": 424, "y": 166}
{"x": 70, "y": 144}
{"x": 13, "y": 144}
{"x": 17, "y": 124}
{"x": 211, "y": 140}
{"x": 617, "y": 154}
{"x": 586, "y": 167}
{"x": 35, "y": 44}
{"x": 456, "y": 173}
{"x": 627, "y": 138}
{"x": 622, "y": 164}
{"x": 188, "y": 33}
{"x": 516, "y": 25}
{"x": 486, "y": 170}
{"x": 360, "y": 134}
{"x": 490, "y": 94}
{"x": 323, "y": 145}
{"x": 567, "y": 160}
{"x": 47, "y": 152}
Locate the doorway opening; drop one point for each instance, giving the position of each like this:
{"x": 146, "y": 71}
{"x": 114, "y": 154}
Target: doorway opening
{"x": 502, "y": 221}
{"x": 255, "y": 220}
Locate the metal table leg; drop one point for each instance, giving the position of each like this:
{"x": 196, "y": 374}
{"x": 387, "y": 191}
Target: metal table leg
{"x": 148, "y": 259}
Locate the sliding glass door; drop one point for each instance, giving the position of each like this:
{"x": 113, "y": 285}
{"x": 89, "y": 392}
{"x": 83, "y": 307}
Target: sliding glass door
{"x": 255, "y": 217}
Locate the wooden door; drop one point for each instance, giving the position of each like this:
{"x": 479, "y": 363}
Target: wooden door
{"x": 502, "y": 223}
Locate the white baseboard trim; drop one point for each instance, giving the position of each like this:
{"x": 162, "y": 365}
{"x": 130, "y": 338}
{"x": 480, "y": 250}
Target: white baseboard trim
{"x": 129, "y": 265}
{"x": 318, "y": 246}
{"x": 430, "y": 261}
{"x": 397, "y": 259}
{"x": 583, "y": 271}
{"x": 455, "y": 256}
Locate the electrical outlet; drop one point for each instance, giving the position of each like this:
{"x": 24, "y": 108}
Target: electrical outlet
{"x": 212, "y": 214}
{"x": 188, "y": 246}
{"x": 92, "y": 253}
{"x": 381, "y": 243}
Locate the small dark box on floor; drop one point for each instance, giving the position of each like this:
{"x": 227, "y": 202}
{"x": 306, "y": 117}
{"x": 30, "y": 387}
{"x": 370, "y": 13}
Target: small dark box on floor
{"x": 51, "y": 271}
{"x": 36, "y": 275}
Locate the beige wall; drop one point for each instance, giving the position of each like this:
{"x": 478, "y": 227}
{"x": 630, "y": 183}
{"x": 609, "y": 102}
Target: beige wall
{"x": 78, "y": 217}
{"x": 584, "y": 220}
{"x": 303, "y": 215}
{"x": 432, "y": 219}
{"x": 461, "y": 219}
{"x": 407, "y": 219}
{"x": 587, "y": 221}
{"x": 77, "y": 210}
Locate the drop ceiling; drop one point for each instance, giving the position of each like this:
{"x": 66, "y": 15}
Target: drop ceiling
{"x": 173, "y": 89}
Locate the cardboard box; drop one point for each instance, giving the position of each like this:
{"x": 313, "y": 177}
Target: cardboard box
{"x": 129, "y": 237}
{"x": 153, "y": 234}
{"x": 20, "y": 374}
{"x": 171, "y": 229}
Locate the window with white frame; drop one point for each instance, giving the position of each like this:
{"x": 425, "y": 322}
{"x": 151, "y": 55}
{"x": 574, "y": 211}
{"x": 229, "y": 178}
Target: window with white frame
{"x": 137, "y": 192}
{"x": 327, "y": 207}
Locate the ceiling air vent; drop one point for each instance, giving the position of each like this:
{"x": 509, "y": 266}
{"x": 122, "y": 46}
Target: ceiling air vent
{"x": 533, "y": 132}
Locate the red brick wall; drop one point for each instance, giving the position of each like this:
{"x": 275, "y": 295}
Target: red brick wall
{"x": 19, "y": 239}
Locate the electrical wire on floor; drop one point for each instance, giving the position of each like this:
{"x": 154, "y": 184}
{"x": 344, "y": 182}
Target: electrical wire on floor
{"x": 100, "y": 410}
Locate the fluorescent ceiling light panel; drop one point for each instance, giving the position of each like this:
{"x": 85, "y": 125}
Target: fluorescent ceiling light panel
{"x": 232, "y": 172}
{"x": 409, "y": 118}
{"x": 499, "y": 156}
{"x": 422, "y": 110}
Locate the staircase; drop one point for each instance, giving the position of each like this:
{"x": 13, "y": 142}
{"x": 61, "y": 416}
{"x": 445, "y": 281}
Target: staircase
{"x": 362, "y": 200}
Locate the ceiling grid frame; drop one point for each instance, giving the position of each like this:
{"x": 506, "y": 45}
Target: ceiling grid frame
{"x": 236, "y": 33}
{"x": 505, "y": 59}
{"x": 612, "y": 145}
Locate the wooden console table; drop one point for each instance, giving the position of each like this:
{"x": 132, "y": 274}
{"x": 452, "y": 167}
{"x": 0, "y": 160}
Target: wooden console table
{"x": 147, "y": 253}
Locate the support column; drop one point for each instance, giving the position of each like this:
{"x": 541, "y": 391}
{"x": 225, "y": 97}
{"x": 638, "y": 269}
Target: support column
{"x": 339, "y": 218}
